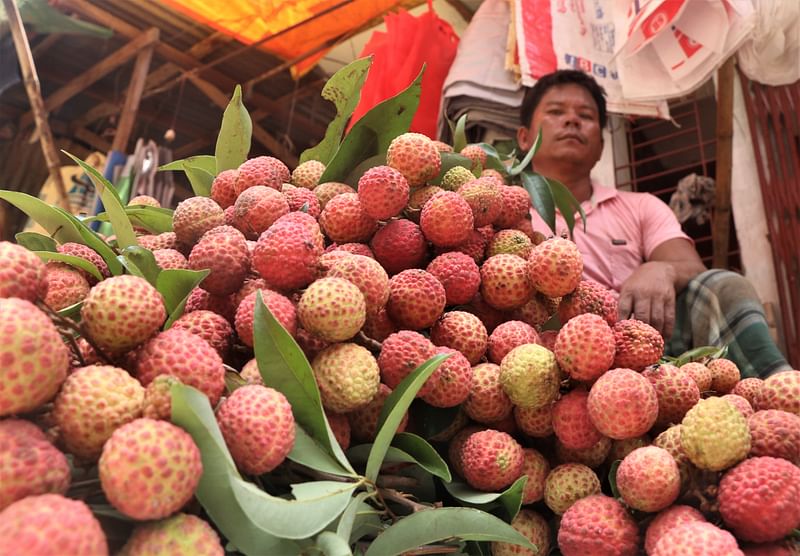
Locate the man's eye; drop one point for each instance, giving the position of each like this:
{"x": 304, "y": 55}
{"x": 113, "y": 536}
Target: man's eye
{"x": 587, "y": 116}
{"x": 554, "y": 112}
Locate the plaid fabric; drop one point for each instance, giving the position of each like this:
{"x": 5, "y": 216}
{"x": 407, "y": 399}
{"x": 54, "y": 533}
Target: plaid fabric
{"x": 718, "y": 308}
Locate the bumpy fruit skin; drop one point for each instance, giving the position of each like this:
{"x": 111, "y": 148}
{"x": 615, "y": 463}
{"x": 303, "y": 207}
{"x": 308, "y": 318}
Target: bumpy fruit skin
{"x": 623, "y": 404}
{"x": 333, "y": 309}
{"x": 451, "y": 382}
{"x": 200, "y": 300}
{"x": 585, "y": 347}
{"x": 164, "y": 240}
{"x": 93, "y": 402}
{"x": 258, "y": 427}
{"x": 781, "y": 391}
{"x": 170, "y": 259}
{"x": 589, "y": 297}
{"x": 529, "y": 376}
{"x": 555, "y": 267}
{"x": 459, "y": 275}
{"x": 571, "y": 422}
{"x": 638, "y": 344}
{"x": 488, "y": 401}
{"x": 714, "y": 435}
{"x": 224, "y": 252}
{"x": 347, "y": 375}
{"x": 535, "y": 529}
{"x": 446, "y": 219}
{"x": 261, "y": 170}
{"x": 476, "y": 154}
{"x": 758, "y": 499}
{"x": 775, "y": 433}
{"x": 741, "y": 404}
{"x": 536, "y": 311}
{"x": 286, "y": 255}
{"x": 368, "y": 275}
{"x": 51, "y": 524}
{"x": 149, "y": 469}
{"x": 416, "y": 299}
{"x": 22, "y": 273}
{"x": 88, "y": 254}
{"x": 516, "y": 204}
{"x": 383, "y": 192}
{"x": 400, "y": 245}
{"x": 749, "y": 389}
{"x": 185, "y": 356}
{"x": 194, "y": 217}
{"x": 536, "y": 467}
{"x": 29, "y": 464}
{"x": 122, "y": 312}
{"x": 223, "y": 189}
{"x": 598, "y": 524}
{"x": 65, "y": 286}
{"x": 344, "y": 220}
{"x": 157, "y": 403}
{"x": 461, "y": 331}
{"x": 648, "y": 479}
{"x": 592, "y": 457}
{"x": 455, "y": 177}
{"x": 509, "y": 335}
{"x": 280, "y": 307}
{"x": 178, "y": 534}
{"x": 696, "y": 538}
{"x": 491, "y": 460}
{"x": 666, "y": 520}
{"x": 670, "y": 440}
{"x": 505, "y": 284}
{"x": 328, "y": 190}
{"x": 213, "y": 328}
{"x": 724, "y": 375}
{"x": 402, "y": 352}
{"x": 299, "y": 197}
{"x": 537, "y": 423}
{"x": 33, "y": 358}
{"x": 415, "y": 156}
{"x": 484, "y": 199}
{"x": 700, "y": 374}
{"x": 568, "y": 483}
{"x": 676, "y": 390}
{"x": 364, "y": 420}
{"x": 257, "y": 208}
{"x": 510, "y": 242}
{"x": 307, "y": 174}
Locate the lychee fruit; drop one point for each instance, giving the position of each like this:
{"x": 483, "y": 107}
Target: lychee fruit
{"x": 510, "y": 242}
{"x": 301, "y": 199}
{"x": 223, "y": 188}
{"x": 416, "y": 299}
{"x": 571, "y": 422}
{"x": 598, "y": 524}
{"x": 332, "y": 308}
{"x": 781, "y": 391}
{"x": 347, "y": 375}
{"x": 529, "y": 376}
{"x": 383, "y": 192}
{"x": 213, "y": 328}
{"x": 178, "y": 534}
{"x": 257, "y": 208}
{"x": 741, "y": 404}
{"x": 516, "y": 204}
{"x": 364, "y": 420}
{"x": 157, "y": 403}
{"x": 537, "y": 423}
{"x": 585, "y": 347}
{"x": 491, "y": 460}
{"x": 446, "y": 219}
{"x": 286, "y": 256}
{"x": 509, "y": 335}
{"x": 170, "y": 259}
{"x": 461, "y": 331}
{"x": 401, "y": 353}
{"x": 344, "y": 220}
{"x": 194, "y": 217}
{"x": 536, "y": 467}
{"x": 749, "y": 389}
{"x": 261, "y": 170}
{"x": 87, "y": 254}
{"x": 696, "y": 538}
{"x": 589, "y": 297}
{"x": 536, "y": 311}
{"x": 455, "y": 177}
{"x": 307, "y": 174}
{"x": 488, "y": 401}
{"x": 555, "y": 267}
{"x": 22, "y": 274}
{"x": 223, "y": 251}
{"x": 534, "y": 527}
{"x": 451, "y": 383}
{"x": 714, "y": 435}
{"x": 400, "y": 245}
{"x": 590, "y": 457}
{"x": 415, "y": 156}
{"x": 623, "y": 404}
{"x": 281, "y": 308}
{"x": 638, "y": 344}
{"x": 484, "y": 199}
{"x": 775, "y": 433}
{"x": 367, "y": 275}
{"x": 700, "y": 374}
{"x": 568, "y": 483}
{"x": 677, "y": 392}
{"x": 476, "y": 154}
{"x": 505, "y": 284}
{"x": 340, "y": 427}
{"x": 666, "y": 520}
{"x": 328, "y": 190}
{"x": 648, "y": 479}
{"x": 459, "y": 275}
{"x": 724, "y": 375}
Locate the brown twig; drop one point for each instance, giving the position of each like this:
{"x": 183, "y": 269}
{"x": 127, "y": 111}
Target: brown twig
{"x": 71, "y": 326}
{"x": 403, "y": 500}
{"x": 396, "y": 482}
{"x": 372, "y": 345}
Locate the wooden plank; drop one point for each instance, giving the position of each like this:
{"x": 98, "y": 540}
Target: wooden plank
{"x": 33, "y": 89}
{"x": 96, "y": 72}
{"x": 722, "y": 203}
{"x": 188, "y": 62}
{"x": 92, "y": 139}
{"x": 45, "y": 44}
{"x": 135, "y": 88}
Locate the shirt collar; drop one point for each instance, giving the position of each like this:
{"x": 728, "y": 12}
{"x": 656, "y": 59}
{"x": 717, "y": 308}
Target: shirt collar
{"x": 601, "y": 194}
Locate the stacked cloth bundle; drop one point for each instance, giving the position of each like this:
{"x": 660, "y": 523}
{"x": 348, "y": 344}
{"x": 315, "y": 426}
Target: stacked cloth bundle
{"x": 479, "y": 83}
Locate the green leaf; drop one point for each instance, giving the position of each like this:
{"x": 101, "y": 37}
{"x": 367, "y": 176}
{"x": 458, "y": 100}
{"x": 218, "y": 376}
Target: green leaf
{"x": 541, "y": 197}
{"x": 408, "y": 451}
{"x": 567, "y": 204}
{"x": 233, "y": 141}
{"x": 460, "y": 134}
{"x": 372, "y": 134}
{"x": 348, "y": 518}
{"x": 61, "y": 228}
{"x": 449, "y": 161}
{"x": 145, "y": 262}
{"x": 493, "y": 160}
{"x": 73, "y": 311}
{"x": 331, "y": 544}
{"x": 153, "y": 219}
{"x": 612, "y": 478}
{"x": 510, "y": 500}
{"x": 433, "y": 420}
{"x": 200, "y": 170}
{"x": 200, "y": 181}
{"x": 309, "y": 452}
{"x": 696, "y": 354}
{"x": 394, "y": 409}
{"x": 111, "y": 201}
{"x": 519, "y": 168}
{"x": 355, "y": 175}
{"x": 430, "y": 526}
{"x": 220, "y": 479}
{"x": 91, "y": 239}
{"x": 77, "y": 262}
{"x": 285, "y": 368}
{"x": 343, "y": 89}
{"x": 175, "y": 285}
{"x": 233, "y": 380}
{"x": 36, "y": 242}
{"x": 205, "y": 162}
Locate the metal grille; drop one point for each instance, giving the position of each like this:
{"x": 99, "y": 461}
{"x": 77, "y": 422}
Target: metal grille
{"x": 659, "y": 153}
{"x": 774, "y": 125}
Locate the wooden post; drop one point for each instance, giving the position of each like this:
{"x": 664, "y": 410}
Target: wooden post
{"x": 135, "y": 89}
{"x": 722, "y": 204}
{"x": 32, "y": 87}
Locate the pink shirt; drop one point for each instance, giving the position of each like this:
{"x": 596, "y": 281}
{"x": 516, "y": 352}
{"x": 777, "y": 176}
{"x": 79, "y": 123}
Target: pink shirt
{"x": 622, "y": 231}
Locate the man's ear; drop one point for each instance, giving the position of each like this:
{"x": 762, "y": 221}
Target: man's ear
{"x": 524, "y": 138}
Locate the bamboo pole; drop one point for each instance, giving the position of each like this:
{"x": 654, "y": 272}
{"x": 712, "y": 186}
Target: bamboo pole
{"x": 32, "y": 87}
{"x": 128, "y": 117}
{"x": 722, "y": 202}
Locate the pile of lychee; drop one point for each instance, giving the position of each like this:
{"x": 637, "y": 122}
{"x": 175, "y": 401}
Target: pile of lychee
{"x": 623, "y": 454}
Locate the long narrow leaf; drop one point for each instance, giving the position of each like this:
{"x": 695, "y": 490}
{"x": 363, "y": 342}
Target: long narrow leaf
{"x": 331, "y": 544}
{"x": 309, "y": 452}
{"x": 205, "y": 162}
{"x": 285, "y": 368}
{"x": 440, "y": 524}
{"x": 510, "y": 500}
{"x": 460, "y": 134}
{"x": 200, "y": 180}
{"x": 567, "y": 204}
{"x": 541, "y": 197}
{"x": 36, "y": 242}
{"x": 48, "y": 217}
{"x": 175, "y": 285}
{"x": 144, "y": 261}
{"x": 348, "y": 518}
{"x": 153, "y": 219}
{"x": 519, "y": 168}
{"x": 233, "y": 141}
{"x": 77, "y": 262}
{"x": 91, "y": 239}
{"x": 394, "y": 408}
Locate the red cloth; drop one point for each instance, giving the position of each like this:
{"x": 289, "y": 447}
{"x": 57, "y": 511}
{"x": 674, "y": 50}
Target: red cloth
{"x": 398, "y": 56}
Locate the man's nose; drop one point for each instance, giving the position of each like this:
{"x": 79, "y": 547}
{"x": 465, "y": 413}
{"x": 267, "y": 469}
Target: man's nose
{"x": 572, "y": 119}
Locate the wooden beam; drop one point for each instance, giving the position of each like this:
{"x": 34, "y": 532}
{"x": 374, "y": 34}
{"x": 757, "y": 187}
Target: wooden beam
{"x": 45, "y": 44}
{"x": 722, "y": 203}
{"x": 135, "y": 88}
{"x": 186, "y": 61}
{"x": 96, "y": 72}
{"x": 32, "y": 87}
{"x": 259, "y": 133}
{"x": 92, "y": 139}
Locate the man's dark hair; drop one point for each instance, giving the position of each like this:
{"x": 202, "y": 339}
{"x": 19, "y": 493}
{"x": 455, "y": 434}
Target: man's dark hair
{"x": 533, "y": 95}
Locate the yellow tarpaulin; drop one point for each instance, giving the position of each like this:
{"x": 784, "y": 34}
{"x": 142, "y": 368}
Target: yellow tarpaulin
{"x": 252, "y": 20}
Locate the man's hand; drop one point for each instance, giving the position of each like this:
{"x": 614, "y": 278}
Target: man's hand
{"x": 649, "y": 295}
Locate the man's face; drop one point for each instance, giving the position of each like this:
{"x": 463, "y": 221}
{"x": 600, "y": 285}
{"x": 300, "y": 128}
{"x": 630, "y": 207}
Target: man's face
{"x": 568, "y": 117}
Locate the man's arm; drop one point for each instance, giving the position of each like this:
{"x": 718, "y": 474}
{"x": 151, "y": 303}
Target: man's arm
{"x": 649, "y": 293}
